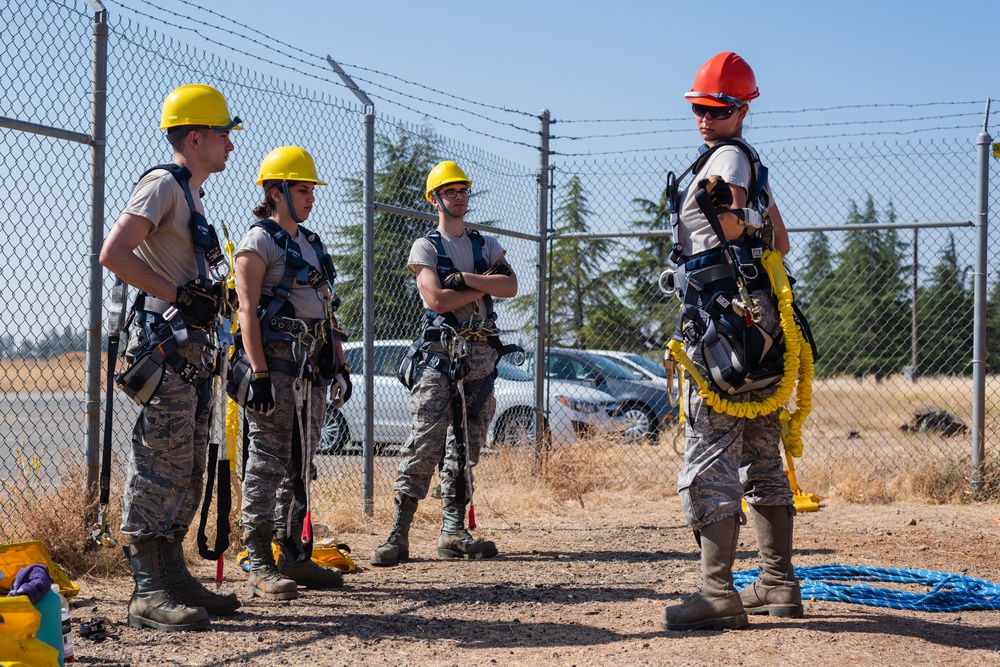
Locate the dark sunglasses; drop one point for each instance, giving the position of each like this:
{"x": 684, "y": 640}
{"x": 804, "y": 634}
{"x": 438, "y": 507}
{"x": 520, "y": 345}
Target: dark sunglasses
{"x": 715, "y": 113}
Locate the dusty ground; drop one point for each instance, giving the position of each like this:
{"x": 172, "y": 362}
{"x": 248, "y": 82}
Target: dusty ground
{"x": 587, "y": 587}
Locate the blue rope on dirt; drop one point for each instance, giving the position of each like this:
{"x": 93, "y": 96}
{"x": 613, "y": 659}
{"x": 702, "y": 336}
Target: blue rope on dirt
{"x": 948, "y": 592}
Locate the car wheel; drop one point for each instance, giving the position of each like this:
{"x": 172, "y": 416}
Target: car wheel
{"x": 640, "y": 423}
{"x": 516, "y": 428}
{"x": 335, "y": 435}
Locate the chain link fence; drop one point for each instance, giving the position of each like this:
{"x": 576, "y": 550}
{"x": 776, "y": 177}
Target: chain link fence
{"x": 891, "y": 309}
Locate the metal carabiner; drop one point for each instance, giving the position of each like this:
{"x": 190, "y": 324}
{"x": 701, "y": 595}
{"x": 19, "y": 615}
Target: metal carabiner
{"x": 666, "y": 283}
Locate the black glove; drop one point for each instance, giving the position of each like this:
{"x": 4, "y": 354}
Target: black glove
{"x": 718, "y": 192}
{"x": 345, "y": 372}
{"x": 198, "y": 301}
{"x": 500, "y": 269}
{"x": 325, "y": 362}
{"x": 260, "y": 395}
{"x": 454, "y": 281}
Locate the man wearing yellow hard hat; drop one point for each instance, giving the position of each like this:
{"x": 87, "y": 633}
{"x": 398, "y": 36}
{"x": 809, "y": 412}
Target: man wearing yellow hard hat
{"x": 163, "y": 246}
{"x": 451, "y": 369}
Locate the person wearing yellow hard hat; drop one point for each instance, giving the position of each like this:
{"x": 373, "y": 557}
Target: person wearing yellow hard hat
{"x": 288, "y": 353}
{"x": 450, "y": 370}
{"x": 725, "y": 221}
{"x": 162, "y": 245}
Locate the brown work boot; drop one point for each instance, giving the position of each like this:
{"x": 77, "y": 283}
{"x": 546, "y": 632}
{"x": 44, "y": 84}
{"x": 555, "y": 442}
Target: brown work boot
{"x": 454, "y": 540}
{"x": 153, "y": 604}
{"x": 187, "y": 589}
{"x": 776, "y": 590}
{"x": 717, "y": 606}
{"x": 264, "y": 579}
{"x": 396, "y": 548}
{"x": 295, "y": 563}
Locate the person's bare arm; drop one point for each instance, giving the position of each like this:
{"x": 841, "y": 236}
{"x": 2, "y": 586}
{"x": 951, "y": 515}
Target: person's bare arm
{"x": 250, "y": 269}
{"x": 118, "y": 256}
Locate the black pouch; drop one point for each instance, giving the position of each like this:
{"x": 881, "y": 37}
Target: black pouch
{"x": 142, "y": 379}
{"x": 742, "y": 358}
{"x": 406, "y": 369}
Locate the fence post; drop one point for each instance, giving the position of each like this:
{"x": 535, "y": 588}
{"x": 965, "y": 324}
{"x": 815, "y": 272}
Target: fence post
{"x": 979, "y": 337}
{"x": 541, "y": 402}
{"x": 368, "y": 293}
{"x": 98, "y": 131}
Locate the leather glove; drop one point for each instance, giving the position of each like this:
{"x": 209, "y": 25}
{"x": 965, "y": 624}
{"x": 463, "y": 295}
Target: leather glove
{"x": 454, "y": 281}
{"x": 260, "y": 395}
{"x": 499, "y": 269}
{"x": 749, "y": 218}
{"x": 325, "y": 362}
{"x": 199, "y": 301}
{"x": 341, "y": 390}
{"x": 718, "y": 192}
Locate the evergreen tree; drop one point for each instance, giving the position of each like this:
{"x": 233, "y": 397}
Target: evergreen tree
{"x": 867, "y": 328}
{"x": 401, "y": 169}
{"x": 944, "y": 319}
{"x": 993, "y": 329}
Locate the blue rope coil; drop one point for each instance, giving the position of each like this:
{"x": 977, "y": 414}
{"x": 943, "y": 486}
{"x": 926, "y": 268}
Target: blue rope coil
{"x": 948, "y": 592}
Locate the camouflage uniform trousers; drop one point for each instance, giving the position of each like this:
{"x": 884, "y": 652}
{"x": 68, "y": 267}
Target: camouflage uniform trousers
{"x": 273, "y": 491}
{"x": 728, "y": 458}
{"x": 431, "y": 443}
{"x": 164, "y": 483}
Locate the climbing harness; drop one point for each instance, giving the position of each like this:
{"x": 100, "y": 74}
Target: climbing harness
{"x": 166, "y": 330}
{"x": 948, "y": 592}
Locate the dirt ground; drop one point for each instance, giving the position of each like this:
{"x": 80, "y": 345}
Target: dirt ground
{"x": 586, "y": 587}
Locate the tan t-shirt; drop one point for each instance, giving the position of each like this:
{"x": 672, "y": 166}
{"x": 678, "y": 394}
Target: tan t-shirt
{"x": 168, "y": 248}
{"x": 307, "y": 302}
{"x": 459, "y": 250}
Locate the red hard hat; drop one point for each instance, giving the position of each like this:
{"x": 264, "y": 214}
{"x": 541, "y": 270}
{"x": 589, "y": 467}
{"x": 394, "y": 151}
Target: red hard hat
{"x": 724, "y": 80}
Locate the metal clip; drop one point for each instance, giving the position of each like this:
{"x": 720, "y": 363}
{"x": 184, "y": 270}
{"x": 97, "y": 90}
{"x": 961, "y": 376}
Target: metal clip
{"x": 666, "y": 283}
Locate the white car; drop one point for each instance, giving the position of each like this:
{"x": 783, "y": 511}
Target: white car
{"x": 574, "y": 411}
{"x": 646, "y": 367}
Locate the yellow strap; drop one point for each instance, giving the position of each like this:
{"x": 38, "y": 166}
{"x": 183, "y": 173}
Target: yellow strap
{"x": 797, "y": 375}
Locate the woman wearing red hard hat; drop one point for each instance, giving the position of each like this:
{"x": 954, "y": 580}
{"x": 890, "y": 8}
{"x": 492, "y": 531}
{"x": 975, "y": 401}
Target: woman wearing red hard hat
{"x": 724, "y": 221}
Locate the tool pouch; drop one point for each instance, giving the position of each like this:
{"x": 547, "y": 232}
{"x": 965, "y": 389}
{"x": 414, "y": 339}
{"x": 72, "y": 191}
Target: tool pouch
{"x": 142, "y": 379}
{"x": 406, "y": 369}
{"x": 238, "y": 377}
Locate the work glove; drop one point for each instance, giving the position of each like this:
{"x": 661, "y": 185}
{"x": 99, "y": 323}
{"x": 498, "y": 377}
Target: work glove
{"x": 499, "y": 269}
{"x": 454, "y": 281}
{"x": 342, "y": 388}
{"x": 260, "y": 395}
{"x": 718, "y": 193}
{"x": 198, "y": 301}
{"x": 33, "y": 581}
{"x": 326, "y": 362}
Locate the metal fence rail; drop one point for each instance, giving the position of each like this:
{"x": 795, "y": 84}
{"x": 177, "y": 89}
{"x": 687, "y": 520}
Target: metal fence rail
{"x": 888, "y": 246}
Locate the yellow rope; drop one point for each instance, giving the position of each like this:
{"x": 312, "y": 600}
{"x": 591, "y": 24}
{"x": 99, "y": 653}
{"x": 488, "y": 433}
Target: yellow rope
{"x": 232, "y": 407}
{"x": 798, "y": 367}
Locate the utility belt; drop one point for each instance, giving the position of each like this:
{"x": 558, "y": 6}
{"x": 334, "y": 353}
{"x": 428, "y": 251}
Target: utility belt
{"x": 291, "y": 329}
{"x": 167, "y": 333}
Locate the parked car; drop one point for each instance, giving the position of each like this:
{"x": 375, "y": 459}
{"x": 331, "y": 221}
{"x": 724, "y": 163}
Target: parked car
{"x": 574, "y": 411}
{"x": 635, "y": 363}
{"x": 644, "y": 404}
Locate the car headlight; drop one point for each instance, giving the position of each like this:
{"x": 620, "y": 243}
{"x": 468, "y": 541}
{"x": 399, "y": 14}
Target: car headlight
{"x": 579, "y": 405}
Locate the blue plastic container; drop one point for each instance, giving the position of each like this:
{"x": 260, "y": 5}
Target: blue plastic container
{"x": 50, "y": 627}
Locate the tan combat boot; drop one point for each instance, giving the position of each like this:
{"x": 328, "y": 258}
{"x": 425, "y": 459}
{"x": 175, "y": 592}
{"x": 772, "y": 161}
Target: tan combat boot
{"x": 295, "y": 562}
{"x": 776, "y": 590}
{"x": 187, "y": 589}
{"x": 717, "y": 606}
{"x": 264, "y": 579}
{"x": 396, "y": 547}
{"x": 454, "y": 540}
{"x": 153, "y": 604}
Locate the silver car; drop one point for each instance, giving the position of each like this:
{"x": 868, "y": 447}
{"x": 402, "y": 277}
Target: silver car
{"x": 574, "y": 411}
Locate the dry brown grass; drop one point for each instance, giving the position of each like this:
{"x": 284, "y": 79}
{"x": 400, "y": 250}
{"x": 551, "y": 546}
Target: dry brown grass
{"x": 64, "y": 373}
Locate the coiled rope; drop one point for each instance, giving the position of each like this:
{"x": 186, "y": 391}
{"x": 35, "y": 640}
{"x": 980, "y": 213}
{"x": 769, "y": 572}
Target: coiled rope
{"x": 948, "y": 592}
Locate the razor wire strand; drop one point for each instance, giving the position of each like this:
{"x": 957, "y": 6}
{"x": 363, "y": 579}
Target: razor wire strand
{"x": 947, "y": 592}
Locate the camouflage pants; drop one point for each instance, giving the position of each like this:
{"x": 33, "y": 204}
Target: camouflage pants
{"x": 164, "y": 483}
{"x": 728, "y": 458}
{"x": 431, "y": 443}
{"x": 273, "y": 484}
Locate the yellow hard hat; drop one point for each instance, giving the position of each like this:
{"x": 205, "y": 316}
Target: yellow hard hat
{"x": 288, "y": 163}
{"x": 444, "y": 173}
{"x": 197, "y": 104}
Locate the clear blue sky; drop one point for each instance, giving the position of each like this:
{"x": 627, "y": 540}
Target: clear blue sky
{"x": 632, "y": 60}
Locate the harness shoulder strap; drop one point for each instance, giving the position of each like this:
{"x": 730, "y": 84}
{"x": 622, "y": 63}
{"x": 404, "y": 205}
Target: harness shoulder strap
{"x": 446, "y": 266}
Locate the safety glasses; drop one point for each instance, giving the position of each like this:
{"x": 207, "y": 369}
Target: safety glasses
{"x": 452, "y": 193}
{"x": 715, "y": 113}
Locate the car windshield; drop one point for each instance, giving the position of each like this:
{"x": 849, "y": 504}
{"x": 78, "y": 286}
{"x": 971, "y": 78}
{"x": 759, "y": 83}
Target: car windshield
{"x": 509, "y": 371}
{"x": 610, "y": 369}
{"x": 581, "y": 367}
{"x": 647, "y": 363}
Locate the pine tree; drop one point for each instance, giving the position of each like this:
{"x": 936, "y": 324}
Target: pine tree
{"x": 944, "y": 317}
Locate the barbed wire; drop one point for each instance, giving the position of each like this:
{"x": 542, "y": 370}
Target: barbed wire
{"x": 271, "y": 41}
